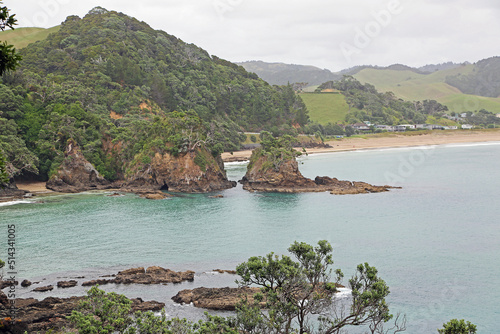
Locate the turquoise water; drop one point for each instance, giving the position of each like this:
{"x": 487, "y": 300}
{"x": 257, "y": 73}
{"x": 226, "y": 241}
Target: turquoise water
{"x": 436, "y": 242}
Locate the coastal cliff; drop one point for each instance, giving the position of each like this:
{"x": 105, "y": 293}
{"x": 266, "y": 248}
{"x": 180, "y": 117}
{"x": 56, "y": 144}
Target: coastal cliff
{"x": 192, "y": 172}
{"x": 76, "y": 173}
{"x": 274, "y": 168}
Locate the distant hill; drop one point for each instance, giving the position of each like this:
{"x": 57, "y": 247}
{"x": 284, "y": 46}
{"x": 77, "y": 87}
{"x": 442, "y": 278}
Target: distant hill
{"x": 281, "y": 74}
{"x": 21, "y": 37}
{"x": 484, "y": 80}
{"x": 461, "y": 88}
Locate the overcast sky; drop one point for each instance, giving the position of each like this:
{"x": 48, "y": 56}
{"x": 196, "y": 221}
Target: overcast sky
{"x": 329, "y": 34}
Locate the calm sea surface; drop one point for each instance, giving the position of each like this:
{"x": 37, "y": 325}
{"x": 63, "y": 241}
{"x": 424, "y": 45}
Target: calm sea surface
{"x": 436, "y": 242}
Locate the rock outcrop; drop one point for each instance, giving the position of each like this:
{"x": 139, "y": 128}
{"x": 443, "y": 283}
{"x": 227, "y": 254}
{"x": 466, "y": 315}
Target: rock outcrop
{"x": 35, "y": 316}
{"x": 286, "y": 178}
{"x": 152, "y": 275}
{"x": 76, "y": 174}
{"x": 216, "y": 298}
{"x": 192, "y": 172}
{"x": 10, "y": 191}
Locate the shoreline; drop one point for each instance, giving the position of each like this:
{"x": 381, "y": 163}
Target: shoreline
{"x": 388, "y": 141}
{"x": 345, "y": 145}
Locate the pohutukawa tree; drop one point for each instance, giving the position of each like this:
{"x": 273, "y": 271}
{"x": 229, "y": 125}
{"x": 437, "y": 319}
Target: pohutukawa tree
{"x": 299, "y": 294}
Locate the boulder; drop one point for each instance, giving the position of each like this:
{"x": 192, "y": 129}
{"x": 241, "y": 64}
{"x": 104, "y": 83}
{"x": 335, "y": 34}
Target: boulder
{"x": 66, "y": 284}
{"x": 25, "y": 283}
{"x": 43, "y": 288}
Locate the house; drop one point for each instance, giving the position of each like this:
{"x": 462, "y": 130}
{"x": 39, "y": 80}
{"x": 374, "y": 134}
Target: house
{"x": 409, "y": 126}
{"x": 400, "y": 128}
{"x": 360, "y": 127}
{"x": 419, "y": 126}
{"x": 384, "y": 127}
{"x": 498, "y": 115}
{"x": 467, "y": 126}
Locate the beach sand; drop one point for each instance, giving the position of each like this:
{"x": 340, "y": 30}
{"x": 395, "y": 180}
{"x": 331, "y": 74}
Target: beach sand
{"x": 391, "y": 140}
{"x": 33, "y": 186}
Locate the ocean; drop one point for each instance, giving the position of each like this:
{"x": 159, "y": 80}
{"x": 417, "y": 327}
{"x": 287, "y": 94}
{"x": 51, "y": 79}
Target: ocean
{"x": 436, "y": 241}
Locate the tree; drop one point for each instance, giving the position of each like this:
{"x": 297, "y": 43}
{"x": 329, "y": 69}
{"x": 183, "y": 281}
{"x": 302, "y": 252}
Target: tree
{"x": 8, "y": 62}
{"x": 455, "y": 326}
{"x": 8, "y": 57}
{"x": 297, "y": 291}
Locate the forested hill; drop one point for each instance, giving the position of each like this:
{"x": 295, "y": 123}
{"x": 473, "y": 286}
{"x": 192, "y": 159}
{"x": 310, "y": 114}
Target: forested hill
{"x": 108, "y": 77}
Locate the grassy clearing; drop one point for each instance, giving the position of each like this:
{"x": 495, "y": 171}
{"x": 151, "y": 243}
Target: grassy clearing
{"x": 21, "y": 37}
{"x": 325, "y": 107}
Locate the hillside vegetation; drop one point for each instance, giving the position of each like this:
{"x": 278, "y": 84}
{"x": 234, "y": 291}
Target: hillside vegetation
{"x": 124, "y": 91}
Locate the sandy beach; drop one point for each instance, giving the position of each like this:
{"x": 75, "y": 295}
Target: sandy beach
{"x": 391, "y": 140}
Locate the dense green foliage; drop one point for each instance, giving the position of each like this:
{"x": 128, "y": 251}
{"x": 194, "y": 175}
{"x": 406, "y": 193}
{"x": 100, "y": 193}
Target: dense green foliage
{"x": 367, "y": 104}
{"x": 484, "y": 79}
{"x": 114, "y": 84}
{"x": 455, "y": 326}
{"x": 277, "y": 150}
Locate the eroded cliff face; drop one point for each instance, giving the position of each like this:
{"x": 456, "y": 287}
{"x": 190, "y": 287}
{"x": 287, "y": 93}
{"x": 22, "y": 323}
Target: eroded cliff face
{"x": 194, "y": 172}
{"x": 263, "y": 176}
{"x": 76, "y": 173}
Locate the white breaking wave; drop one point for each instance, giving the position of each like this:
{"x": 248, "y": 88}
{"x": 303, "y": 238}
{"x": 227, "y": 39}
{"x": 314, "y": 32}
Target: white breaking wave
{"x": 15, "y": 202}
{"x": 343, "y": 293}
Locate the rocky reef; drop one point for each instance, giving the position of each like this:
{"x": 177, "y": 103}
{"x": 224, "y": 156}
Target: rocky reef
{"x": 76, "y": 174}
{"x": 192, "y": 172}
{"x": 283, "y": 175}
{"x": 216, "y": 298}
{"x": 151, "y": 275}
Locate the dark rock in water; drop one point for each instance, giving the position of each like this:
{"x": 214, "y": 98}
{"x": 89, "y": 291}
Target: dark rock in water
{"x": 4, "y": 284}
{"x": 67, "y": 284}
{"x": 25, "y": 283}
{"x": 152, "y": 275}
{"x": 262, "y": 175}
{"x": 216, "y": 298}
{"x": 43, "y": 288}
{"x": 35, "y": 316}
{"x": 76, "y": 174}
{"x": 221, "y": 271}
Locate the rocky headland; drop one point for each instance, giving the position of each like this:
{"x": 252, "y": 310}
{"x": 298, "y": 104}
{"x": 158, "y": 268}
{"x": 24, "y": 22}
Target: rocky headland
{"x": 275, "y": 169}
{"x": 76, "y": 174}
{"x": 191, "y": 172}
{"x": 196, "y": 171}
